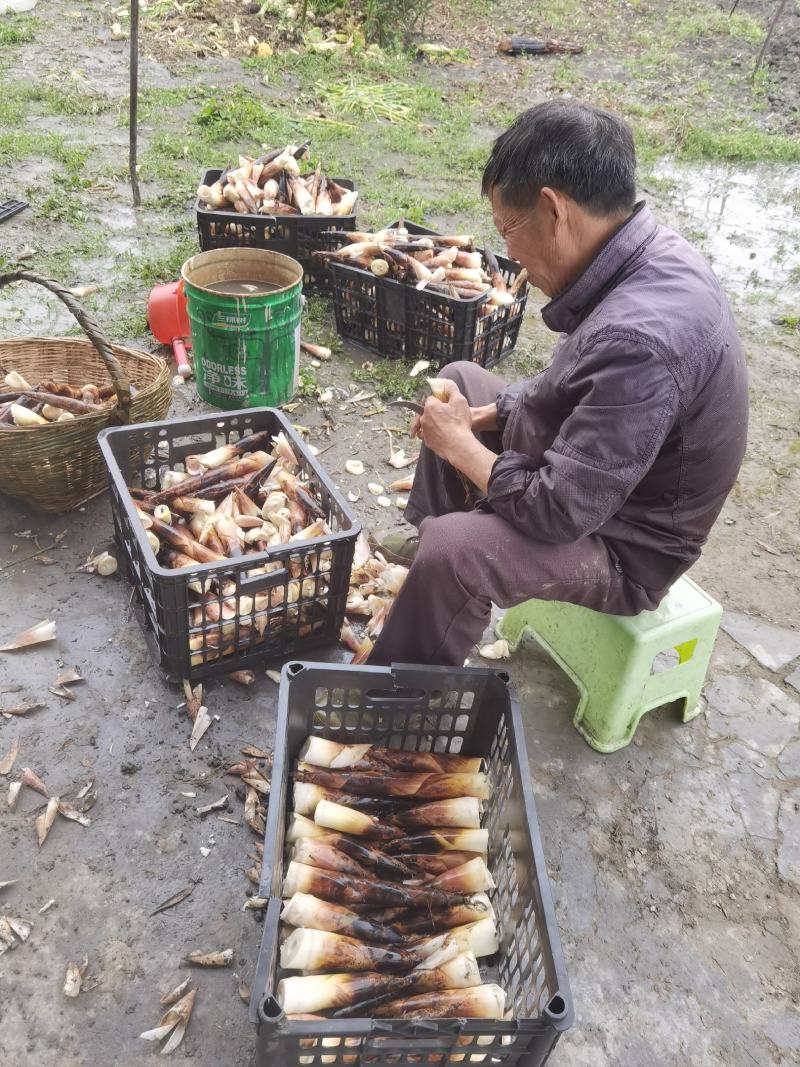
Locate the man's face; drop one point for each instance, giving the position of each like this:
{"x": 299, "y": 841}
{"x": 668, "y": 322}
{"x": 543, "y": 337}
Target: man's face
{"x": 534, "y": 235}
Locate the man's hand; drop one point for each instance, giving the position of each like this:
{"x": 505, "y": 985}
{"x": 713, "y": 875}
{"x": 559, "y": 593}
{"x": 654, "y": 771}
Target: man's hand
{"x": 446, "y": 427}
{"x": 483, "y": 418}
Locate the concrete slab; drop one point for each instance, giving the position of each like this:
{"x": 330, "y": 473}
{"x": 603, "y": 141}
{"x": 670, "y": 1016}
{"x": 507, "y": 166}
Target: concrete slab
{"x": 752, "y": 709}
{"x": 772, "y": 646}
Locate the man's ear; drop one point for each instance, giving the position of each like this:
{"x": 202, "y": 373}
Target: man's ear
{"x": 554, "y": 207}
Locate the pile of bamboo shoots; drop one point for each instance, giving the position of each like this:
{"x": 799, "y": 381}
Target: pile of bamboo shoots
{"x": 374, "y": 584}
{"x": 445, "y": 264}
{"x": 273, "y": 185}
{"x": 234, "y": 501}
{"x": 386, "y": 910}
{"x": 23, "y": 404}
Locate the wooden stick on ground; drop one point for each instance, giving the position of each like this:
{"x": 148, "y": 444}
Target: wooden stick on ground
{"x": 133, "y": 113}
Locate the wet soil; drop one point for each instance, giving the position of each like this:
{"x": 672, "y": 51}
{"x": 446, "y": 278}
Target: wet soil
{"x": 677, "y": 892}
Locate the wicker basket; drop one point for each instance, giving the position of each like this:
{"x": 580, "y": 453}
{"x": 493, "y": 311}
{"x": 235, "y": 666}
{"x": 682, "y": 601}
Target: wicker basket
{"x": 59, "y": 466}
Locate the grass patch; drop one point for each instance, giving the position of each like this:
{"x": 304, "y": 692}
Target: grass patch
{"x": 58, "y": 208}
{"x": 151, "y": 270}
{"x": 389, "y": 378}
{"x": 153, "y": 102}
{"x": 16, "y": 29}
{"x": 739, "y": 146}
{"x": 19, "y": 146}
{"x": 694, "y": 26}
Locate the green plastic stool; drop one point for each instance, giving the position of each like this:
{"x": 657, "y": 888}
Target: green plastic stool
{"x": 622, "y": 665}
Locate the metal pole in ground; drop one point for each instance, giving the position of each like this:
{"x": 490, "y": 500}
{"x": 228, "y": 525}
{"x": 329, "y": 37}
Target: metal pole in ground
{"x": 134, "y": 103}
{"x": 768, "y": 38}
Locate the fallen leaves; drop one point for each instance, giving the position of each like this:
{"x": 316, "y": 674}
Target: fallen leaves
{"x": 12, "y": 931}
{"x": 32, "y": 780}
{"x": 174, "y": 995}
{"x": 23, "y": 708}
{"x": 74, "y": 977}
{"x": 173, "y": 1024}
{"x": 44, "y": 822}
{"x": 34, "y": 635}
{"x": 60, "y": 686}
{"x": 7, "y": 762}
{"x": 255, "y": 751}
{"x": 216, "y": 805}
{"x": 220, "y": 958}
{"x": 254, "y": 813}
{"x": 170, "y": 902}
{"x": 198, "y": 713}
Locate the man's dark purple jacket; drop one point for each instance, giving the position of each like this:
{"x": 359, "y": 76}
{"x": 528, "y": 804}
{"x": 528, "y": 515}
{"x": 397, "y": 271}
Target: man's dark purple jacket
{"x": 637, "y": 429}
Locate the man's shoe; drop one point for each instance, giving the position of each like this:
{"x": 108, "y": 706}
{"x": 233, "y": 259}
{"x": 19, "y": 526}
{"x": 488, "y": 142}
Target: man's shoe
{"x": 395, "y": 547}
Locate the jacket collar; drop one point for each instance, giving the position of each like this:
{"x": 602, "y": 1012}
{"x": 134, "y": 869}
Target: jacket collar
{"x": 567, "y": 311}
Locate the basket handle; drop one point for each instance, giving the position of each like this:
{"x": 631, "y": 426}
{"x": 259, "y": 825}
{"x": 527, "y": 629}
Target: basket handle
{"x": 89, "y": 327}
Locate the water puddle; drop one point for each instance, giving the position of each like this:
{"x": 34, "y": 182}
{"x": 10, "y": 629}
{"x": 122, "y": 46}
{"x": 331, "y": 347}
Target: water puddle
{"x": 746, "y": 220}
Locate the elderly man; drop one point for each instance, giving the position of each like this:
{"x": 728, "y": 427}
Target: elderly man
{"x": 597, "y": 481}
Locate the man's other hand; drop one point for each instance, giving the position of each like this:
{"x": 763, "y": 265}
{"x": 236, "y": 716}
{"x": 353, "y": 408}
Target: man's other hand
{"x": 446, "y": 427}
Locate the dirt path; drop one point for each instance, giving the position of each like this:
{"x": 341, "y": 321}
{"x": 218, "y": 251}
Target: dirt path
{"x": 676, "y": 884}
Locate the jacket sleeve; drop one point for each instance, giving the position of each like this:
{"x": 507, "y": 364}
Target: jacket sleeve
{"x": 626, "y": 402}
{"x": 505, "y": 402}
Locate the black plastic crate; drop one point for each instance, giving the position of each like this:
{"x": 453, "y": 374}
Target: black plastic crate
{"x": 399, "y": 321}
{"x": 299, "y": 605}
{"x": 293, "y": 235}
{"x": 471, "y": 711}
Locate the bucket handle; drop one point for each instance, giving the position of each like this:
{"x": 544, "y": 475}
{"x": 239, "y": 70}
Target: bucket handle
{"x": 90, "y": 328}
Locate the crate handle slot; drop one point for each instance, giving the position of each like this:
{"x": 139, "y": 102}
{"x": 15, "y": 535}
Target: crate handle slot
{"x": 401, "y": 695}
{"x": 257, "y": 582}
{"x": 270, "y": 1009}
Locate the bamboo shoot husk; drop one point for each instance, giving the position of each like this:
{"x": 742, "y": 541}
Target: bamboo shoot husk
{"x": 345, "y": 820}
{"x": 319, "y": 854}
{"x": 461, "y": 972}
{"x": 439, "y": 919}
{"x": 456, "y": 813}
{"x": 343, "y": 889}
{"x": 428, "y": 865}
{"x": 480, "y": 1002}
{"x": 307, "y": 796}
{"x": 312, "y": 993}
{"x": 304, "y": 910}
{"x": 331, "y": 754}
{"x": 442, "y": 841}
{"x": 471, "y": 877}
{"x": 421, "y": 786}
{"x": 321, "y": 950}
{"x": 389, "y": 866}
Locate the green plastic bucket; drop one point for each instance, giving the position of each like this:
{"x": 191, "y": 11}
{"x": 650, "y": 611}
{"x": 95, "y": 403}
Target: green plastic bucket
{"x": 246, "y": 342}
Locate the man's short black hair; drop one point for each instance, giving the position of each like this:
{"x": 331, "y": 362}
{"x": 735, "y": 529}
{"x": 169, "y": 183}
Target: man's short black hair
{"x": 583, "y": 151}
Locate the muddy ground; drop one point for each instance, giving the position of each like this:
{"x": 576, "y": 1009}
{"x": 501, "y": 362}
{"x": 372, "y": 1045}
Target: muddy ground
{"x": 675, "y": 862}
